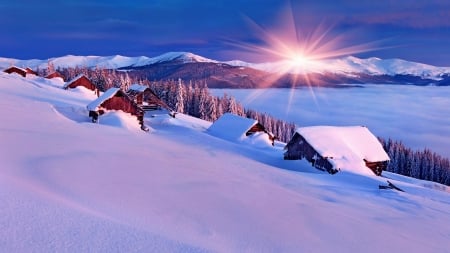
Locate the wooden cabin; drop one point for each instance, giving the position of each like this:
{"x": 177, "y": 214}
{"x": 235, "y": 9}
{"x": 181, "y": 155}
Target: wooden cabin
{"x": 115, "y": 99}
{"x": 17, "y": 70}
{"x": 30, "y": 71}
{"x": 333, "y": 149}
{"x": 146, "y": 98}
{"x": 236, "y": 128}
{"x": 81, "y": 80}
{"x": 55, "y": 74}
{"x": 298, "y": 148}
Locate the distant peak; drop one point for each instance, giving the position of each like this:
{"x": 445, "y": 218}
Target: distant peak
{"x": 181, "y": 56}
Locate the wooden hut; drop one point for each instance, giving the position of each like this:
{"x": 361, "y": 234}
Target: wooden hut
{"x": 30, "y": 71}
{"x": 55, "y": 74}
{"x": 236, "y": 128}
{"x": 333, "y": 149}
{"x": 17, "y": 70}
{"x": 115, "y": 99}
{"x": 81, "y": 80}
{"x": 147, "y": 99}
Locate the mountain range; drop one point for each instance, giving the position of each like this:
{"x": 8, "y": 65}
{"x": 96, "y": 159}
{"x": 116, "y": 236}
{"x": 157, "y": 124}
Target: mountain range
{"x": 241, "y": 74}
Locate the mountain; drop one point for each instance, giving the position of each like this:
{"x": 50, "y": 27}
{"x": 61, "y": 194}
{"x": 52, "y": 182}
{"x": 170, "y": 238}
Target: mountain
{"x": 241, "y": 74}
{"x": 69, "y": 185}
{"x": 110, "y": 62}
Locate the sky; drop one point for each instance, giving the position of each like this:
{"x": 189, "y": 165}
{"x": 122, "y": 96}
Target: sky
{"x": 227, "y": 29}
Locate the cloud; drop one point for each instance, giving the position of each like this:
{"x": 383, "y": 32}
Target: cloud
{"x": 412, "y": 19}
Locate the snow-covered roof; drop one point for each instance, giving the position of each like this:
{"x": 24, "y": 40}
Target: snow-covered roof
{"x": 137, "y": 87}
{"x": 15, "y": 67}
{"x": 74, "y": 80}
{"x": 348, "y": 146}
{"x": 231, "y": 127}
{"x": 93, "y": 106}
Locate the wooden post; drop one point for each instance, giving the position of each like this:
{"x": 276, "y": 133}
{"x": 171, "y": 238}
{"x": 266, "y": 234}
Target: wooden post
{"x": 140, "y": 98}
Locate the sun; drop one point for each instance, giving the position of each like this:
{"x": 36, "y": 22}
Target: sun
{"x": 299, "y": 48}
{"x": 298, "y": 62}
{"x": 298, "y": 53}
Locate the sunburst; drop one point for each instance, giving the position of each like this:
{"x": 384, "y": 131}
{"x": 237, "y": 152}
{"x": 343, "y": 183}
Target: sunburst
{"x": 299, "y": 53}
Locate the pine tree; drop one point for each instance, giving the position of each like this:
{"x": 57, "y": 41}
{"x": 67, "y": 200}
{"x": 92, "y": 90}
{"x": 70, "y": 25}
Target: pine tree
{"x": 179, "y": 104}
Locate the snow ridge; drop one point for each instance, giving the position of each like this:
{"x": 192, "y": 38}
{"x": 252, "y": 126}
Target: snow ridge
{"x": 347, "y": 65}
{"x": 111, "y": 62}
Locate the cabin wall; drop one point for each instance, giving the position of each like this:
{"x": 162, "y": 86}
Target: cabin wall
{"x": 83, "y": 82}
{"x": 53, "y": 75}
{"x": 152, "y": 99}
{"x": 256, "y": 128}
{"x": 124, "y": 104}
{"x": 377, "y": 167}
{"x": 30, "y": 71}
{"x": 16, "y": 70}
{"x": 140, "y": 98}
{"x": 298, "y": 148}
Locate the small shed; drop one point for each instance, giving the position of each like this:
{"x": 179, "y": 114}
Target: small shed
{"x": 81, "y": 80}
{"x": 236, "y": 128}
{"x": 55, "y": 74}
{"x": 17, "y": 70}
{"x": 146, "y": 98}
{"x": 332, "y": 148}
{"x": 115, "y": 99}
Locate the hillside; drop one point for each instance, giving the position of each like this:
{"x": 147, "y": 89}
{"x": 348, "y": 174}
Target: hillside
{"x": 68, "y": 185}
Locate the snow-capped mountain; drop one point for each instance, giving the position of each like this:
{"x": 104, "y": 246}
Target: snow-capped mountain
{"x": 354, "y": 65}
{"x": 110, "y": 62}
{"x": 237, "y": 73}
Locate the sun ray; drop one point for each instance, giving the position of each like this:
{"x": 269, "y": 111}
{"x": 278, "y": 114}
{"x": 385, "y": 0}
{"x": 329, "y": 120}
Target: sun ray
{"x": 298, "y": 53}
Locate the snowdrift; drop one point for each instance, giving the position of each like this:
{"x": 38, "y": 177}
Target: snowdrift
{"x": 75, "y": 186}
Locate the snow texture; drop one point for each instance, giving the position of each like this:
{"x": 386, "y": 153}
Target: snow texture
{"x": 94, "y": 105}
{"x": 110, "y": 62}
{"x": 231, "y": 127}
{"x": 138, "y": 87}
{"x": 346, "y": 147}
{"x": 67, "y": 185}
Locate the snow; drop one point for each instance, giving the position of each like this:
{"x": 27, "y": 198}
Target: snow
{"x": 110, "y": 62}
{"x": 68, "y": 185}
{"x": 120, "y": 119}
{"x": 138, "y": 87}
{"x": 350, "y": 65}
{"x": 184, "y": 57}
{"x": 418, "y": 116}
{"x": 94, "y": 105}
{"x": 231, "y": 127}
{"x": 19, "y": 68}
{"x": 347, "y": 147}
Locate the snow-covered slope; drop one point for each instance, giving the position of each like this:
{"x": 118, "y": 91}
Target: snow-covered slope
{"x": 347, "y": 65}
{"x": 68, "y": 185}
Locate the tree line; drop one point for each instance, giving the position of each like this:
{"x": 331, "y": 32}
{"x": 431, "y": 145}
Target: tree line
{"x": 422, "y": 164}
{"x": 194, "y": 98}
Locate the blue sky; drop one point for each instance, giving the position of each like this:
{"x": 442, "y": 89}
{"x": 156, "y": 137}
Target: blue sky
{"x": 413, "y": 30}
